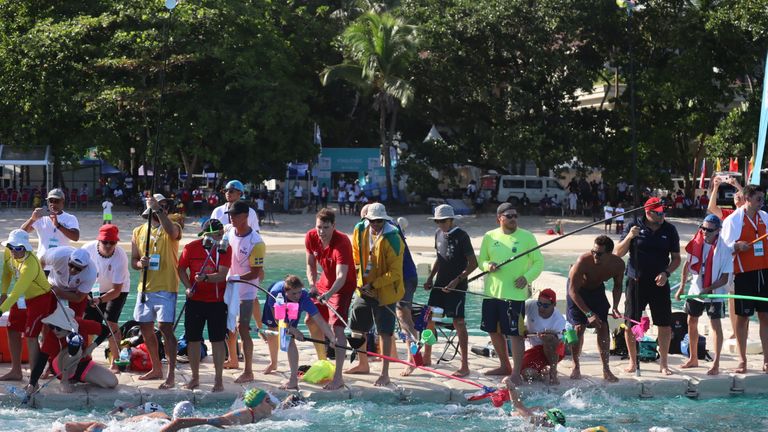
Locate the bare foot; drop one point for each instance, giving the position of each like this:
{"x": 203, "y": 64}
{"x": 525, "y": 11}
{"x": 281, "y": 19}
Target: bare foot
{"x": 334, "y": 385}
{"x": 12, "y": 376}
{"x": 218, "y": 387}
{"x": 576, "y": 373}
{"x": 269, "y": 369}
{"x": 741, "y": 368}
{"x": 499, "y": 371}
{"x": 382, "y": 380}
{"x": 152, "y": 375}
{"x": 732, "y": 336}
{"x": 407, "y": 371}
{"x": 630, "y": 368}
{"x": 516, "y": 380}
{"x": 168, "y": 384}
{"x": 192, "y": 384}
{"x": 244, "y": 377}
{"x": 690, "y": 364}
{"x": 553, "y": 380}
{"x": 358, "y": 370}
{"x": 609, "y": 376}
{"x": 714, "y": 370}
{"x": 665, "y": 370}
{"x": 231, "y": 365}
{"x": 765, "y": 367}
{"x": 461, "y": 373}
{"x": 291, "y": 384}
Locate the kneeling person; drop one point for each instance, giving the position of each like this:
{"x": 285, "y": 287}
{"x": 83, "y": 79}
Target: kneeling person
{"x": 544, "y": 325}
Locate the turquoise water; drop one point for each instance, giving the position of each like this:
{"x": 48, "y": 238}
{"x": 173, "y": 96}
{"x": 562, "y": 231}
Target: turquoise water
{"x": 582, "y": 409}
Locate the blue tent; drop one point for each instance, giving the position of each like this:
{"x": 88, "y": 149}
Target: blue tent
{"x": 104, "y": 169}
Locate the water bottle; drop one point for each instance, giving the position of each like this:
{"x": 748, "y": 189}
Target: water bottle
{"x": 125, "y": 355}
{"x": 279, "y": 299}
{"x": 19, "y": 393}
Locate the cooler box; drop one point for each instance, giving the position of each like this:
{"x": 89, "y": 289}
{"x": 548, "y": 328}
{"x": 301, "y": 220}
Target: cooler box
{"x": 5, "y": 352}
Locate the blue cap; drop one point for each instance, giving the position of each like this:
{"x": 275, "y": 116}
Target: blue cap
{"x": 714, "y": 220}
{"x": 235, "y": 184}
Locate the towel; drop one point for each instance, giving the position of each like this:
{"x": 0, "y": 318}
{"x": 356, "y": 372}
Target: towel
{"x": 232, "y": 299}
{"x": 695, "y": 249}
{"x": 732, "y": 226}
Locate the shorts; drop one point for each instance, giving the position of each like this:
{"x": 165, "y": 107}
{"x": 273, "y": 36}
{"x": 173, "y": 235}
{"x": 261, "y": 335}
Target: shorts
{"x": 751, "y": 283}
{"x": 696, "y": 308}
{"x": 535, "y": 358}
{"x": 608, "y": 222}
{"x": 111, "y": 309}
{"x": 17, "y": 318}
{"x": 246, "y": 310}
{"x": 648, "y": 294}
{"x": 160, "y": 306}
{"x": 37, "y": 309}
{"x": 198, "y": 313}
{"x": 83, "y": 367}
{"x": 367, "y": 312}
{"x": 107, "y": 217}
{"x": 452, "y": 302}
{"x": 340, "y": 302}
{"x": 503, "y": 316}
{"x": 596, "y": 301}
{"x": 410, "y": 290}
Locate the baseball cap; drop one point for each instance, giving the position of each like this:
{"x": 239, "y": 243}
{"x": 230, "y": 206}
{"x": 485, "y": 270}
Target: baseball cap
{"x": 714, "y": 220}
{"x": 238, "y": 207}
{"x": 549, "y": 294}
{"x": 654, "y": 204}
{"x": 210, "y": 226}
{"x": 56, "y": 194}
{"x": 80, "y": 258}
{"x": 504, "y": 207}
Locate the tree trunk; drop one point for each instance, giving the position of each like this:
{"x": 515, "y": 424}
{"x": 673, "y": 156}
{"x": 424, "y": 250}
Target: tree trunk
{"x": 390, "y": 138}
{"x": 385, "y": 145}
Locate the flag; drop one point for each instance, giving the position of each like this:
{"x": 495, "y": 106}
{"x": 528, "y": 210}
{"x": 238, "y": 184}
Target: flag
{"x": 318, "y": 140}
{"x": 717, "y": 165}
{"x": 703, "y": 172}
{"x": 749, "y": 169}
{"x": 733, "y": 165}
{"x": 762, "y": 129}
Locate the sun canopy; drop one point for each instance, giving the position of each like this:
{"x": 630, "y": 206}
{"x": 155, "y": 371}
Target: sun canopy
{"x": 29, "y": 156}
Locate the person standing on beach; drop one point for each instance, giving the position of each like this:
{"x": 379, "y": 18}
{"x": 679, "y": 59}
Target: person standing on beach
{"x": 587, "y": 303}
{"x": 38, "y": 300}
{"x": 742, "y": 231}
{"x": 113, "y": 283}
{"x": 454, "y": 263}
{"x": 654, "y": 254}
{"x": 508, "y": 286}
{"x": 248, "y": 251}
{"x": 54, "y": 226}
{"x": 156, "y": 300}
{"x": 332, "y": 251}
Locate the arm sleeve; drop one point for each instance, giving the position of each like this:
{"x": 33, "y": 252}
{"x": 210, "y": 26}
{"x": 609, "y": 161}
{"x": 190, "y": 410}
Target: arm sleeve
{"x": 7, "y": 274}
{"x": 256, "y": 258}
{"x": 26, "y": 276}
{"x": 307, "y": 305}
{"x": 484, "y": 257}
{"x": 394, "y": 260}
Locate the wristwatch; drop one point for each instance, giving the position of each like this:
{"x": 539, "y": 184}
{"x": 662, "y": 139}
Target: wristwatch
{"x": 589, "y": 314}
{"x": 666, "y": 273}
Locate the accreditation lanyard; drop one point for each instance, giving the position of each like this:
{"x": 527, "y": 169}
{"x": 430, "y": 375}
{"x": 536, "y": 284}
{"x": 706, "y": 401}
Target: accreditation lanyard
{"x": 154, "y": 237}
{"x": 371, "y": 245}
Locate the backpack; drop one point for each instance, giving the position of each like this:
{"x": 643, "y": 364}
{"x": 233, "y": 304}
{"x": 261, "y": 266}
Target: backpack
{"x": 679, "y": 331}
{"x": 702, "y": 353}
{"x": 618, "y": 343}
{"x": 648, "y": 351}
{"x": 181, "y": 353}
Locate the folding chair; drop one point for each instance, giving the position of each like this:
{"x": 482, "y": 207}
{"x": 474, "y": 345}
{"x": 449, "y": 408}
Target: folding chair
{"x": 448, "y": 332}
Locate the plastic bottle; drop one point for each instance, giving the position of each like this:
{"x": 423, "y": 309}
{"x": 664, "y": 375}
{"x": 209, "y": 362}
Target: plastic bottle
{"x": 570, "y": 336}
{"x": 19, "y": 393}
{"x": 125, "y": 354}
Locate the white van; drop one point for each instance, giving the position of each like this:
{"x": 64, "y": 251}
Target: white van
{"x": 510, "y": 188}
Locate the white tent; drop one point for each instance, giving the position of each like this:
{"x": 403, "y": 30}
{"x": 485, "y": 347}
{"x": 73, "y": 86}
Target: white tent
{"x": 39, "y": 156}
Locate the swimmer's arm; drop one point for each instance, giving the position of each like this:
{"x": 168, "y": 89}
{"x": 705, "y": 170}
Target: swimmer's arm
{"x": 190, "y": 422}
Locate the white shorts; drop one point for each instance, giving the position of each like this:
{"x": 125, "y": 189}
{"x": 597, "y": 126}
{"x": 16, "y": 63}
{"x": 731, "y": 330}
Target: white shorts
{"x": 159, "y": 307}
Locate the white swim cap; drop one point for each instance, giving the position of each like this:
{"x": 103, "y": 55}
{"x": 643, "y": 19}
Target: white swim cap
{"x": 403, "y": 222}
{"x": 183, "y": 409}
{"x": 151, "y": 407}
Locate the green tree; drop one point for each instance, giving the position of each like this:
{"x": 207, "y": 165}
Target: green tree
{"x": 379, "y": 49}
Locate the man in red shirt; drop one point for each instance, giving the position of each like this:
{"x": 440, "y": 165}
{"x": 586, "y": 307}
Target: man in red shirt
{"x": 332, "y": 250}
{"x": 203, "y": 268}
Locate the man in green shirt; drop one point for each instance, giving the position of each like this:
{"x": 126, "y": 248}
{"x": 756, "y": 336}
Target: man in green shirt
{"x": 509, "y": 285}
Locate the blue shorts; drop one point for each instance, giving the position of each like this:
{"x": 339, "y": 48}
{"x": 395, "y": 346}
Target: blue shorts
{"x": 160, "y": 307}
{"x": 503, "y": 316}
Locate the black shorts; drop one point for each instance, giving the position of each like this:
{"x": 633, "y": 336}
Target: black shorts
{"x": 452, "y": 302}
{"x": 503, "y": 316}
{"x": 111, "y": 309}
{"x": 364, "y": 313}
{"x": 596, "y": 301}
{"x": 648, "y": 294}
{"x": 752, "y": 283}
{"x": 696, "y": 308}
{"x": 198, "y": 313}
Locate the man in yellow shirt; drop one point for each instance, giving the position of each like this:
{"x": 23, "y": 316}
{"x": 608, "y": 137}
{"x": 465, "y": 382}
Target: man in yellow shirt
{"x": 29, "y": 301}
{"x": 509, "y": 286}
{"x": 157, "y": 299}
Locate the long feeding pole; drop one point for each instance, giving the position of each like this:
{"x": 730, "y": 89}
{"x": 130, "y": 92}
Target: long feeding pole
{"x": 170, "y": 5}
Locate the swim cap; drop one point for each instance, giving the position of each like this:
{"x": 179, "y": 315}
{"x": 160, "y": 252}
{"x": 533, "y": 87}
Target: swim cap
{"x": 555, "y": 416}
{"x": 183, "y": 409}
{"x": 151, "y": 407}
{"x": 253, "y": 397}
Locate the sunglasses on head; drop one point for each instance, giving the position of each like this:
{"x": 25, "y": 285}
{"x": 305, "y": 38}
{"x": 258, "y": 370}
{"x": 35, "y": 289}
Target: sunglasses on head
{"x": 510, "y": 215}
{"x": 19, "y": 248}
{"x": 707, "y": 230}
{"x": 544, "y": 305}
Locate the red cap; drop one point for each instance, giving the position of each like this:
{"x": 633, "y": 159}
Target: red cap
{"x": 108, "y": 233}
{"x": 548, "y": 293}
{"x": 649, "y": 205}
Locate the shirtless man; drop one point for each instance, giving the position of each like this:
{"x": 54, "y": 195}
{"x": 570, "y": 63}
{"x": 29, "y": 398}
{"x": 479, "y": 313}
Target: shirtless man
{"x": 587, "y": 303}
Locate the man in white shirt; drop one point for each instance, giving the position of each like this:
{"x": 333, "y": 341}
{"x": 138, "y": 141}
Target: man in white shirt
{"x": 233, "y": 191}
{"x": 53, "y": 225}
{"x": 112, "y": 283}
{"x": 544, "y": 326}
{"x": 298, "y": 195}
{"x": 72, "y": 275}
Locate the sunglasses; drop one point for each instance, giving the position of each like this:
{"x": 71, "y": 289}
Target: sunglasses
{"x": 108, "y": 243}
{"x": 441, "y": 221}
{"x": 16, "y": 248}
{"x": 75, "y": 267}
{"x": 510, "y": 215}
{"x": 707, "y": 230}
{"x": 54, "y": 200}
{"x": 231, "y": 190}
{"x": 597, "y": 254}
{"x": 544, "y": 305}
{"x": 657, "y": 213}
{"x": 376, "y": 221}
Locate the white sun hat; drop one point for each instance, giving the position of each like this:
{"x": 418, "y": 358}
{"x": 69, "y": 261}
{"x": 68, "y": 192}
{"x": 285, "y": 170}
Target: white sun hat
{"x": 17, "y": 238}
{"x": 377, "y": 211}
{"x": 444, "y": 211}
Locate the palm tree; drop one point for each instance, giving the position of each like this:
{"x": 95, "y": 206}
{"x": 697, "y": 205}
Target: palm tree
{"x": 379, "y": 48}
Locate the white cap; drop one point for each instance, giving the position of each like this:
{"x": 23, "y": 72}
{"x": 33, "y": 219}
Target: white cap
{"x": 80, "y": 258}
{"x": 17, "y": 238}
{"x": 183, "y": 409}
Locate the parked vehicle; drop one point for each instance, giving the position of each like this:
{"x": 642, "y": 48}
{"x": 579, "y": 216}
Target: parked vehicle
{"x": 510, "y": 188}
